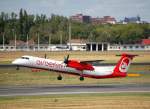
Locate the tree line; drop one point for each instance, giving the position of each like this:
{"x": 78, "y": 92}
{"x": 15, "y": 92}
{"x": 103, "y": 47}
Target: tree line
{"x": 56, "y": 28}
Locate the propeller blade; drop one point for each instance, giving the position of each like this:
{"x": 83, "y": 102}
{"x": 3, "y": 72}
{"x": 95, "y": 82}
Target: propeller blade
{"x": 66, "y": 59}
{"x": 67, "y": 56}
{"x": 45, "y": 56}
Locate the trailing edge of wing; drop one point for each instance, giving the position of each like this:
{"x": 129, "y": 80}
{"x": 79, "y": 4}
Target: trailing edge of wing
{"x": 92, "y": 61}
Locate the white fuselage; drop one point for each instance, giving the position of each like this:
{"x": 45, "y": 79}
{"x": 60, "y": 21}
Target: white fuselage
{"x": 59, "y": 66}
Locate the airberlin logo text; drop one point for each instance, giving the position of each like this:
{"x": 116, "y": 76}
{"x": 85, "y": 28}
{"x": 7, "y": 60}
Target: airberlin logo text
{"x": 48, "y": 64}
{"x": 124, "y": 64}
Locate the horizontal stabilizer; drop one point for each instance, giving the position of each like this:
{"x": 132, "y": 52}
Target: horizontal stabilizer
{"x": 128, "y": 55}
{"x": 133, "y": 75}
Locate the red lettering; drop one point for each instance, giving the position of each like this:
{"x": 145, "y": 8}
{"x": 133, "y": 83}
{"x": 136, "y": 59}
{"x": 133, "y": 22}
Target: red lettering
{"x": 38, "y": 62}
{"x": 49, "y": 64}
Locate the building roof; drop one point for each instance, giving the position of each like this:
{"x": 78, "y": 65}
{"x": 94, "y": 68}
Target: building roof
{"x": 78, "y": 41}
{"x": 18, "y": 42}
{"x": 21, "y": 43}
{"x": 146, "y": 41}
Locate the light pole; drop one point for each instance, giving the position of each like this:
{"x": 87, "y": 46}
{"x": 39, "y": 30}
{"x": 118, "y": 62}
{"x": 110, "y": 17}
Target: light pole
{"x": 3, "y": 40}
{"x": 14, "y": 35}
{"x": 38, "y": 41}
{"x": 15, "y": 41}
{"x": 27, "y": 42}
{"x": 70, "y": 48}
{"x": 49, "y": 41}
{"x": 60, "y": 37}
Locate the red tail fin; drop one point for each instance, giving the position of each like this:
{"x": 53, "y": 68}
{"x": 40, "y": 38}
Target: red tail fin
{"x": 123, "y": 65}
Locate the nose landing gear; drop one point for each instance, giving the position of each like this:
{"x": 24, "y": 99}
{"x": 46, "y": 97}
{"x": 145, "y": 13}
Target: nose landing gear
{"x": 17, "y": 68}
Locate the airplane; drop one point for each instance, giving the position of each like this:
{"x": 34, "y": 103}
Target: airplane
{"x": 75, "y": 67}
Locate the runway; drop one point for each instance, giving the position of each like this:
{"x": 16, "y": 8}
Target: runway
{"x": 72, "y": 89}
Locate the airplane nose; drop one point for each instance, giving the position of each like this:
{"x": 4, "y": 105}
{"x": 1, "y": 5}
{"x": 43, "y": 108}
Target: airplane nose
{"x": 15, "y": 62}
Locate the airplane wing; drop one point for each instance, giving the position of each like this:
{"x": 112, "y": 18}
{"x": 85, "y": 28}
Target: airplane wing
{"x": 84, "y": 63}
{"x": 92, "y": 62}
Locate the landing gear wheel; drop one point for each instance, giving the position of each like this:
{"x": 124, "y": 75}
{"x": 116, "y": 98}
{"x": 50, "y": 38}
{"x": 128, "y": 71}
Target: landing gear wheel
{"x": 81, "y": 78}
{"x": 59, "y": 77}
{"x": 17, "y": 68}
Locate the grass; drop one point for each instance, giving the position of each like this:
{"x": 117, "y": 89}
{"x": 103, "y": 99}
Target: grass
{"x": 79, "y": 101}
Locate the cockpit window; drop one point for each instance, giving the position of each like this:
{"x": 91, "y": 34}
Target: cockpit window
{"x": 25, "y": 58}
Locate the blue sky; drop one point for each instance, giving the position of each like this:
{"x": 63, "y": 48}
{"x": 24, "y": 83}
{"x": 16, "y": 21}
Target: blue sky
{"x": 117, "y": 8}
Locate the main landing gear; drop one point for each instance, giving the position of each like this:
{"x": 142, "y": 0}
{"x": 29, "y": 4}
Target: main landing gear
{"x": 81, "y": 78}
{"x": 59, "y": 77}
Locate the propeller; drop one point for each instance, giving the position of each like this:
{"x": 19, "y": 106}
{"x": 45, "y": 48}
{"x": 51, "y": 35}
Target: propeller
{"x": 45, "y": 56}
{"x": 66, "y": 59}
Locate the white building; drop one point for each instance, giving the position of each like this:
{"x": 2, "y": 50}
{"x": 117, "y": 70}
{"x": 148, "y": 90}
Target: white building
{"x": 128, "y": 47}
{"x": 77, "y": 45}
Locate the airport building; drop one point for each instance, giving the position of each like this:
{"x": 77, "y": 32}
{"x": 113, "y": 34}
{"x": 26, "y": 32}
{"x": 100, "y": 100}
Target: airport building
{"x": 77, "y": 45}
{"x": 144, "y": 45}
{"x": 91, "y": 46}
{"x": 128, "y": 47}
{"x": 96, "y": 46}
